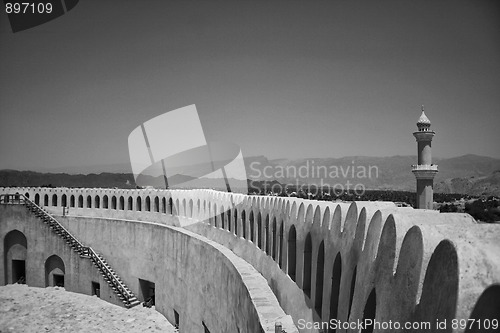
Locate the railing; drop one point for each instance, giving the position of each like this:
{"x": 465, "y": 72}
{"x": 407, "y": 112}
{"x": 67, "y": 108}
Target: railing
{"x": 432, "y": 167}
{"x": 106, "y": 271}
{"x": 79, "y": 247}
{"x": 12, "y": 199}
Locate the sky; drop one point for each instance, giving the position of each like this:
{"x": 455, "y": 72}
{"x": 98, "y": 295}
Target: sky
{"x": 283, "y": 79}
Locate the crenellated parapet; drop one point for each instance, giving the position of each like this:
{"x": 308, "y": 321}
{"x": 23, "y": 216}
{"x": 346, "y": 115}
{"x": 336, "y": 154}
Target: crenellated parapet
{"x": 326, "y": 260}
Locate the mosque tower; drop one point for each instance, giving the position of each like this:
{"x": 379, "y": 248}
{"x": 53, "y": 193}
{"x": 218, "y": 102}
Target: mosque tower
{"x": 424, "y": 171}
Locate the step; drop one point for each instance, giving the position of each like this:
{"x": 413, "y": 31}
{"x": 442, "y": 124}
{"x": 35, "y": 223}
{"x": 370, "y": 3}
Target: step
{"x": 108, "y": 269}
{"x": 132, "y": 304}
{"x": 124, "y": 287}
{"x": 132, "y": 300}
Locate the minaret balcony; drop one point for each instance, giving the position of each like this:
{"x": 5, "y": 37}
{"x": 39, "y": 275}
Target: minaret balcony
{"x": 424, "y": 135}
{"x": 418, "y": 167}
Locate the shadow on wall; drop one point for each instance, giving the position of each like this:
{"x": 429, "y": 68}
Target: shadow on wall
{"x": 57, "y": 272}
{"x": 15, "y": 249}
{"x": 54, "y": 271}
{"x": 342, "y": 257}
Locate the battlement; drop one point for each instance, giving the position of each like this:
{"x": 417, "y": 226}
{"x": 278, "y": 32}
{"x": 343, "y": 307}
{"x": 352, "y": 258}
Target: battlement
{"x": 322, "y": 260}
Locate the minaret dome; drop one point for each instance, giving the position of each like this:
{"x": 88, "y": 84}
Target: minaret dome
{"x": 423, "y": 122}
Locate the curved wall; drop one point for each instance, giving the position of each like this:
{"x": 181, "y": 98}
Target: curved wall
{"x": 202, "y": 281}
{"x": 327, "y": 260}
{"x": 199, "y": 279}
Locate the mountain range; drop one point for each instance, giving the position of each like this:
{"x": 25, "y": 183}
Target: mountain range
{"x": 468, "y": 174}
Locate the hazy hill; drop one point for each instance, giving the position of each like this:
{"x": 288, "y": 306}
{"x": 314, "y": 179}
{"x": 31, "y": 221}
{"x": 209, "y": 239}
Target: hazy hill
{"x": 485, "y": 185}
{"x": 469, "y": 174}
{"x": 467, "y": 166}
{"x": 30, "y": 178}
{"x": 393, "y": 172}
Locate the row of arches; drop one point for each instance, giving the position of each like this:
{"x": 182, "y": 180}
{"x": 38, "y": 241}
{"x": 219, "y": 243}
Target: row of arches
{"x": 305, "y": 261}
{"x": 156, "y": 204}
{"x": 263, "y": 229}
{"x": 268, "y": 237}
{"x": 320, "y": 282}
{"x": 267, "y": 231}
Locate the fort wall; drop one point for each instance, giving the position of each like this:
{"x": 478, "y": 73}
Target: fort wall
{"x": 322, "y": 260}
{"x": 40, "y": 246}
{"x": 202, "y": 281}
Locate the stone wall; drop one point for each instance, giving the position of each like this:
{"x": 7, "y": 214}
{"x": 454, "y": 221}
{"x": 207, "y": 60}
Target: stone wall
{"x": 41, "y": 244}
{"x": 327, "y": 260}
{"x": 204, "y": 282}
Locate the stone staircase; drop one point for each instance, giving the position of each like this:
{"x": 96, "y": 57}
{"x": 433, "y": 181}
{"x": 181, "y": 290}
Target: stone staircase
{"x": 128, "y": 299}
{"x": 113, "y": 280}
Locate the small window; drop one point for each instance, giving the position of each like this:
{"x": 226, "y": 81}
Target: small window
{"x": 96, "y": 289}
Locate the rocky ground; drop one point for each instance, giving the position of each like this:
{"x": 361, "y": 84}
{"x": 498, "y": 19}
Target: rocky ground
{"x": 52, "y": 309}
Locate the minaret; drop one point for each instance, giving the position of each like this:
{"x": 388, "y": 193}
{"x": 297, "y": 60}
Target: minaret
{"x": 424, "y": 171}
